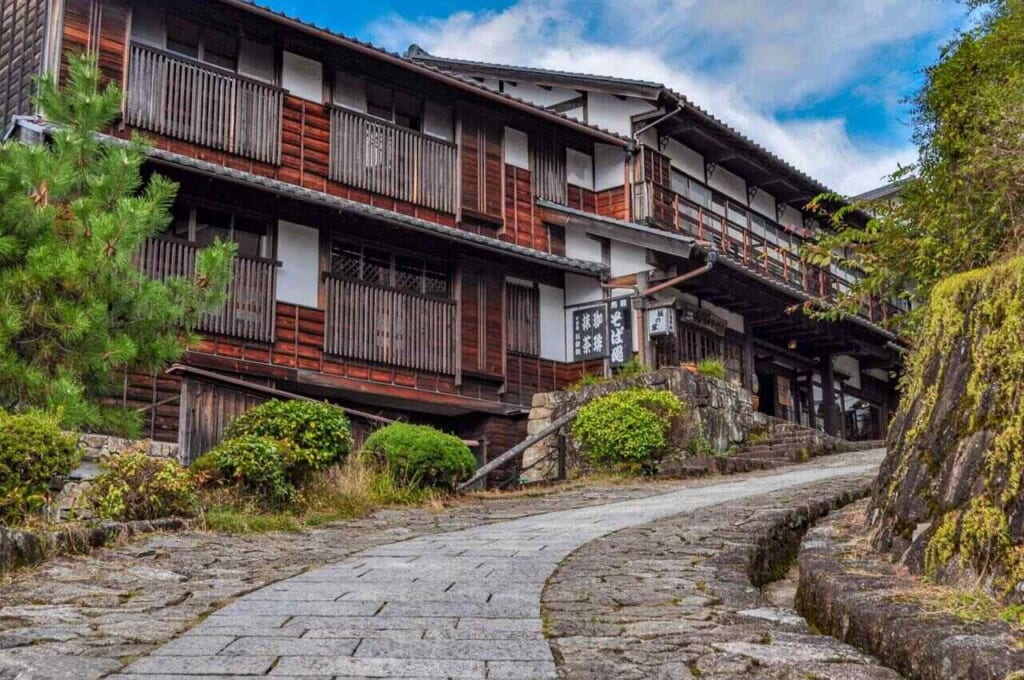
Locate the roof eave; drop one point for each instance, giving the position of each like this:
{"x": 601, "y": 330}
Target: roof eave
{"x": 425, "y": 71}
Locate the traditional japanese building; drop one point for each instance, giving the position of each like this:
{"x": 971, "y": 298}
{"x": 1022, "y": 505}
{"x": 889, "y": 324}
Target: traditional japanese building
{"x": 440, "y": 240}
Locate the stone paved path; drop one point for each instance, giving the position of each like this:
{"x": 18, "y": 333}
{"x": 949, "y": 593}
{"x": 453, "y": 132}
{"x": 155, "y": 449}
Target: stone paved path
{"x": 463, "y": 604}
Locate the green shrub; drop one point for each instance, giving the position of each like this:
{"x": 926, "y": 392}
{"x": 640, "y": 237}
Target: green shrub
{"x": 33, "y": 450}
{"x": 134, "y": 485}
{"x": 261, "y": 465}
{"x": 628, "y": 428}
{"x": 421, "y": 456}
{"x": 318, "y": 432}
{"x": 713, "y": 368}
{"x": 631, "y": 369}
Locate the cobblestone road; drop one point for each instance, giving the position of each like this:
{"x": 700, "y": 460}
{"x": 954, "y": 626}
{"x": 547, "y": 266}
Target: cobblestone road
{"x": 462, "y": 604}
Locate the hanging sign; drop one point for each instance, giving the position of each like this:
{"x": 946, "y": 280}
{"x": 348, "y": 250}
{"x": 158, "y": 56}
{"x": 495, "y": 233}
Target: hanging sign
{"x": 661, "y": 321}
{"x": 589, "y": 333}
{"x": 620, "y": 331}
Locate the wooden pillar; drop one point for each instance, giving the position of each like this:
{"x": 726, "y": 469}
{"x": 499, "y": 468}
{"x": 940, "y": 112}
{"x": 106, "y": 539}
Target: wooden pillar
{"x": 812, "y": 418}
{"x": 828, "y": 390}
{"x": 748, "y": 355}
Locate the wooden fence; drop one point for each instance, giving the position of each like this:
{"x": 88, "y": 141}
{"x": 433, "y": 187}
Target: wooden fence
{"x": 375, "y": 155}
{"x": 249, "y": 310}
{"x": 204, "y": 104}
{"x": 388, "y": 326}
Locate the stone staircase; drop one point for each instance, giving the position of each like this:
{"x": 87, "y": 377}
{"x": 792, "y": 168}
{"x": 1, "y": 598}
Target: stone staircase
{"x": 777, "y": 444}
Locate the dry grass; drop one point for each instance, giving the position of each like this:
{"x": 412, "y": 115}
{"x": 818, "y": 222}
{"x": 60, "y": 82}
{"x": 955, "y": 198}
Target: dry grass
{"x": 342, "y": 492}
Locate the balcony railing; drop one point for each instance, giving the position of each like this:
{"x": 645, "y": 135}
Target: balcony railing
{"x": 249, "y": 310}
{"x": 731, "y": 230}
{"x": 372, "y": 154}
{"x": 387, "y": 326}
{"x": 200, "y": 103}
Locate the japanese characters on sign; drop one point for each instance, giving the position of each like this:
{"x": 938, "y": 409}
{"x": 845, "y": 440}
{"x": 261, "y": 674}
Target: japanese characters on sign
{"x": 661, "y": 321}
{"x": 620, "y": 332}
{"x": 589, "y": 333}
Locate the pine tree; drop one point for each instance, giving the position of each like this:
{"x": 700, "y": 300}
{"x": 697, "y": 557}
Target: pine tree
{"x": 76, "y": 312}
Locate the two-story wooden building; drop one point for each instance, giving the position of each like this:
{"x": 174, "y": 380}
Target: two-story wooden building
{"x": 423, "y": 240}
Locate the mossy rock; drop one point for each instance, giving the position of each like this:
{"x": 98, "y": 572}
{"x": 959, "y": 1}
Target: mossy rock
{"x": 949, "y": 500}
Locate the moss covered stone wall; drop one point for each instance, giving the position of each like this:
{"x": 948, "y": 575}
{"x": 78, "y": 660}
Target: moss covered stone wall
{"x": 949, "y": 501}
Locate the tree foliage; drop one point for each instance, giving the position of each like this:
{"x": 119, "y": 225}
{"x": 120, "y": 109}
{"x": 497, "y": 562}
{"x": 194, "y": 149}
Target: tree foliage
{"x": 75, "y": 311}
{"x": 962, "y": 205}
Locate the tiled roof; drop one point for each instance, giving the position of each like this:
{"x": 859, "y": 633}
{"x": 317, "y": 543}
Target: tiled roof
{"x": 354, "y": 207}
{"x": 583, "y": 78}
{"x": 436, "y": 72}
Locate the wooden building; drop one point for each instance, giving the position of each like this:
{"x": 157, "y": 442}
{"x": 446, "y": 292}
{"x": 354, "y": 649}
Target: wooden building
{"x": 417, "y": 240}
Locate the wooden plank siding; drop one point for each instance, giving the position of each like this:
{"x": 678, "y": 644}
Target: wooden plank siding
{"x": 481, "y": 167}
{"x": 22, "y": 44}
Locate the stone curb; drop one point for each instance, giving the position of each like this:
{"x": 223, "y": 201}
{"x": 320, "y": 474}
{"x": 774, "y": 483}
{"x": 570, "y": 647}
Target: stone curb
{"x": 20, "y": 549}
{"x": 847, "y": 591}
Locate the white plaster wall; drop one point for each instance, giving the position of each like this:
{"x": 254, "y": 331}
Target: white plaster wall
{"x": 539, "y": 95}
{"x": 793, "y": 218}
{"x": 303, "y": 77}
{"x": 298, "y": 278}
{"x": 581, "y": 247}
{"x": 628, "y": 259}
{"x": 609, "y": 167}
{"x": 579, "y": 169}
{"x": 517, "y": 148}
{"x": 764, "y": 203}
{"x": 849, "y": 366}
{"x": 878, "y": 374}
{"x": 685, "y": 159}
{"x": 552, "y": 323}
{"x": 729, "y": 184}
{"x": 438, "y": 121}
{"x": 615, "y": 114}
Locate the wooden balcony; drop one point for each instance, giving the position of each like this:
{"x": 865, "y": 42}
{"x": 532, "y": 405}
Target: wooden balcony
{"x": 249, "y": 310}
{"x": 732, "y": 232}
{"x": 387, "y": 326}
{"x": 377, "y": 156}
{"x": 196, "y": 102}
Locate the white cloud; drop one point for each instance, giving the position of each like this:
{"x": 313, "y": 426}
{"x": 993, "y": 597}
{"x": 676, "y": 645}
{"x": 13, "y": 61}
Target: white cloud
{"x": 746, "y": 61}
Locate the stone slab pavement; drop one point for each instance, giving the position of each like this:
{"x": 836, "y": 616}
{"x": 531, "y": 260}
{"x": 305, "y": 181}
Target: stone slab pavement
{"x": 463, "y": 604}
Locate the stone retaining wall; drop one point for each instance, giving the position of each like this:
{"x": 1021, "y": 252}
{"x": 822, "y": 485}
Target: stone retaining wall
{"x": 26, "y": 548}
{"x": 719, "y": 411}
{"x": 853, "y": 593}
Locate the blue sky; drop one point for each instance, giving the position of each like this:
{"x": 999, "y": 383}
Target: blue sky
{"x": 822, "y": 83}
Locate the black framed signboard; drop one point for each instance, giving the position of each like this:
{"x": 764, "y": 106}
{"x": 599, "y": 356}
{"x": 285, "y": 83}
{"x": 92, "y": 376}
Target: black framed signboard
{"x": 620, "y": 332}
{"x": 589, "y": 333}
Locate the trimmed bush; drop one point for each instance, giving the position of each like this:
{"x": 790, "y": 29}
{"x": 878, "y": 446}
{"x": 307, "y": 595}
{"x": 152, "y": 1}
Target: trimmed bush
{"x": 136, "y": 486}
{"x": 421, "y": 456}
{"x": 319, "y": 434}
{"x": 627, "y": 429}
{"x": 33, "y": 450}
{"x": 262, "y": 465}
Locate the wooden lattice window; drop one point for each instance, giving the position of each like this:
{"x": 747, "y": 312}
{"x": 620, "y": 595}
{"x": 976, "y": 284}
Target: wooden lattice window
{"x": 522, "y": 319}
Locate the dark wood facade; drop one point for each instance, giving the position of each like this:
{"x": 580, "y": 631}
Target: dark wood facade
{"x": 402, "y": 321}
{"x": 22, "y": 35}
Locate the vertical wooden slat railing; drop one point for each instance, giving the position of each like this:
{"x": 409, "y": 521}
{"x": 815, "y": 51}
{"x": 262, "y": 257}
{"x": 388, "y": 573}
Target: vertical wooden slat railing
{"x": 375, "y": 155}
{"x": 248, "y": 312}
{"x": 387, "y": 326}
{"x": 200, "y": 103}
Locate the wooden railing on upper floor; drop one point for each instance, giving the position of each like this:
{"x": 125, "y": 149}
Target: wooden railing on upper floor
{"x": 203, "y": 104}
{"x": 249, "y": 310}
{"x": 375, "y": 155}
{"x": 388, "y": 326}
{"x": 731, "y": 231}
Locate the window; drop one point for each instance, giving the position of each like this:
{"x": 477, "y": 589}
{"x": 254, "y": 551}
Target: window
{"x": 192, "y": 40}
{"x": 400, "y": 108}
{"x": 201, "y": 224}
{"x": 407, "y": 273}
{"x": 522, "y": 318}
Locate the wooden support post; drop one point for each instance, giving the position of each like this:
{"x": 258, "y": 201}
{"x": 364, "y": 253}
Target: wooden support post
{"x": 748, "y": 355}
{"x": 812, "y": 417}
{"x": 562, "y": 446}
{"x": 828, "y": 389}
